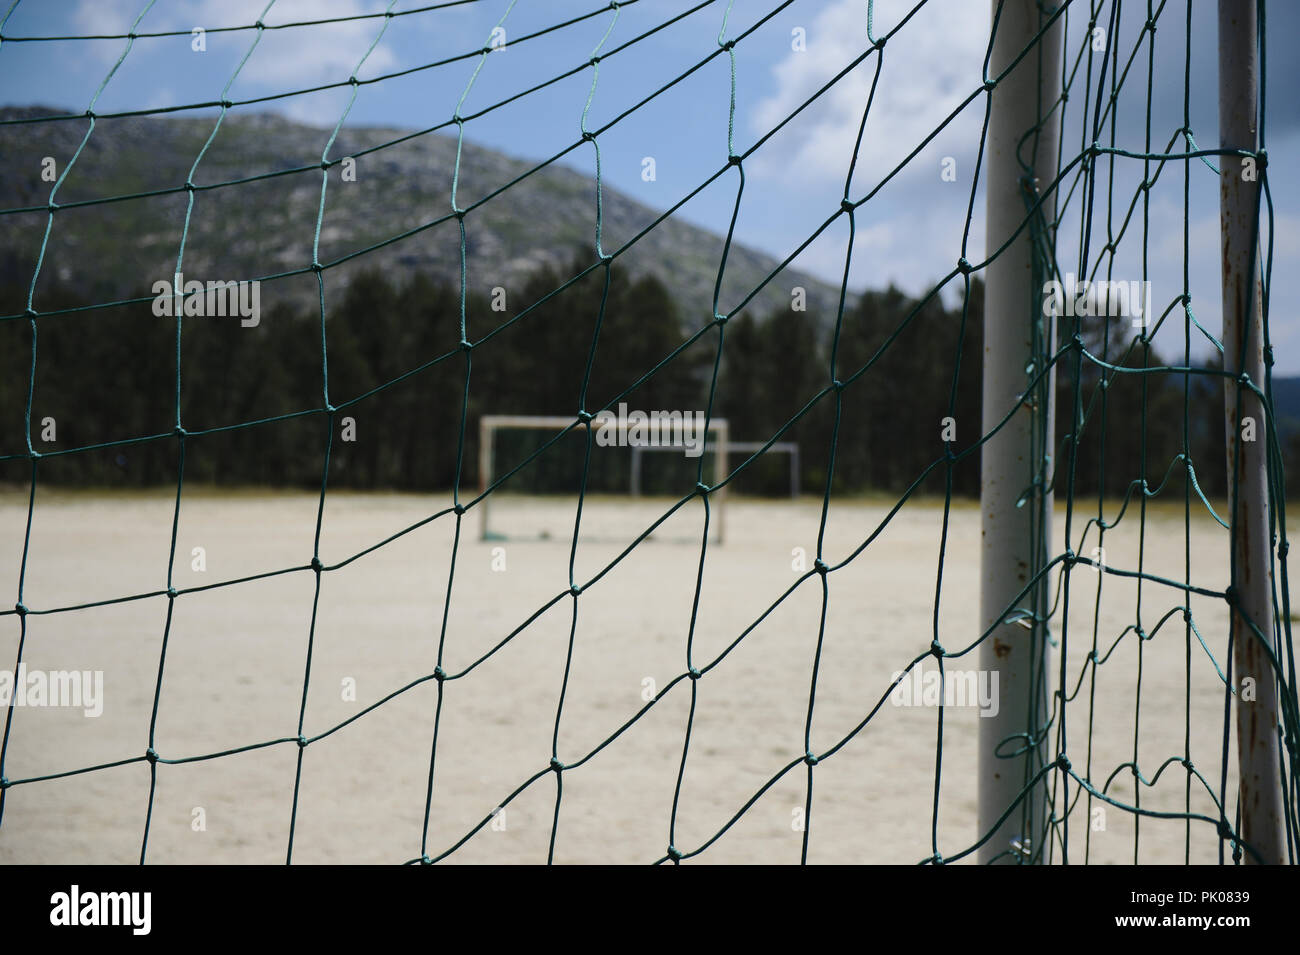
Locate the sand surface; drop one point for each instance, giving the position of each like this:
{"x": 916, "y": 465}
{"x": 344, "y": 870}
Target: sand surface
{"x": 236, "y": 658}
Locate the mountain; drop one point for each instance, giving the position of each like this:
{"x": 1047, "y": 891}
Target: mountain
{"x": 264, "y": 227}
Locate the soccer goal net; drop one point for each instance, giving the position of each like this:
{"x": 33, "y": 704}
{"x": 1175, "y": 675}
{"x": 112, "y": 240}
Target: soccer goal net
{"x": 952, "y": 270}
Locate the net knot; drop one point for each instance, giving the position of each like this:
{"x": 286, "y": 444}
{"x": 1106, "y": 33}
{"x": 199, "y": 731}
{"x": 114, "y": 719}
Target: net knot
{"x": 1225, "y": 830}
{"x": 989, "y": 85}
{"x": 964, "y": 266}
{"x": 171, "y": 593}
{"x": 260, "y": 25}
{"x": 189, "y": 185}
{"x": 733, "y": 160}
{"x": 90, "y": 114}
{"x": 227, "y": 104}
{"x": 837, "y": 385}
{"x": 846, "y": 206}
{"x": 729, "y": 45}
{"x": 821, "y": 567}
{"x": 316, "y": 565}
{"x": 585, "y": 416}
{"x": 4, "y": 782}
{"x": 439, "y": 673}
{"x": 353, "y": 80}
{"x": 179, "y": 432}
{"x": 30, "y": 312}
{"x": 317, "y": 267}
{"x": 1150, "y": 27}
{"x": 1063, "y": 763}
{"x": 701, "y": 488}
{"x": 1283, "y": 549}
{"x": 151, "y": 754}
{"x": 556, "y": 765}
{"x": 20, "y": 609}
{"x": 937, "y": 648}
{"x": 1230, "y": 595}
{"x": 301, "y": 741}
{"x": 694, "y": 674}
{"x": 459, "y": 509}
{"x": 575, "y": 590}
{"x": 588, "y": 136}
{"x": 810, "y": 759}
{"x": 1188, "y": 764}
{"x": 52, "y": 205}
{"x": 466, "y": 345}
{"x": 594, "y": 60}
{"x": 674, "y": 853}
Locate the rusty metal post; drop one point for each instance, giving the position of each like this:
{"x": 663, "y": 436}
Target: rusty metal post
{"x": 1260, "y": 782}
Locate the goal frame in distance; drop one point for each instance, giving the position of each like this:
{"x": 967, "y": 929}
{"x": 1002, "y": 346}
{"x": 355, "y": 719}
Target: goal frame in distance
{"x": 716, "y": 440}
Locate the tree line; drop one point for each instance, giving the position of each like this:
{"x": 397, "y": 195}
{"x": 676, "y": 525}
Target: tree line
{"x": 414, "y": 394}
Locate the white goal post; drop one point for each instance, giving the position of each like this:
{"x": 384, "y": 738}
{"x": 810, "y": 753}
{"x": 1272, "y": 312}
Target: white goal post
{"x": 659, "y": 439}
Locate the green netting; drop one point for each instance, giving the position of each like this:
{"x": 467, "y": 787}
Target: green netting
{"x": 1086, "y": 176}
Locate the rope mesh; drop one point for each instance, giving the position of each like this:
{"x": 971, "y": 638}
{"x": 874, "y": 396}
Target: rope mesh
{"x": 1087, "y": 175}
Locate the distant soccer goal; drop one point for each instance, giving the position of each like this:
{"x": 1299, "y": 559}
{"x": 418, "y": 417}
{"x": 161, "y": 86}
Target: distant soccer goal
{"x": 686, "y": 433}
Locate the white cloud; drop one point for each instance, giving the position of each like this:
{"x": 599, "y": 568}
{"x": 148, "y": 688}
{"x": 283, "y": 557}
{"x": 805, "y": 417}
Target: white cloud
{"x": 299, "y": 57}
{"x": 910, "y": 232}
{"x": 930, "y": 66}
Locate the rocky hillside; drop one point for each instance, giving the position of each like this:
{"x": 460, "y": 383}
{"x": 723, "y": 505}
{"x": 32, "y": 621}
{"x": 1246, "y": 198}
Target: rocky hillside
{"x": 267, "y": 226}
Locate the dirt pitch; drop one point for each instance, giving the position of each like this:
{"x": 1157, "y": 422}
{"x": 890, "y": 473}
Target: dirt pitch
{"x": 236, "y": 657}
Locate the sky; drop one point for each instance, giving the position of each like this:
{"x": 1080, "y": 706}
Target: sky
{"x": 910, "y": 233}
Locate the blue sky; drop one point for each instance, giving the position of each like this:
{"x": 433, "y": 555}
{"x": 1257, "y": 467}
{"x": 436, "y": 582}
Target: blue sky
{"x": 909, "y": 233}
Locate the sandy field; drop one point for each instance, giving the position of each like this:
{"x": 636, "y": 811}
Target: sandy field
{"x": 236, "y": 657}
